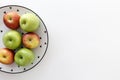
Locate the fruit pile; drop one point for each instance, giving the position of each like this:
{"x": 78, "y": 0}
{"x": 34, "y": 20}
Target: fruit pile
{"x": 13, "y": 39}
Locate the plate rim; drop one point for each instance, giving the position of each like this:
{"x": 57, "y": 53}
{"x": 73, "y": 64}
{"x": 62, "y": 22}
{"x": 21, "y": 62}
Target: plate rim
{"x": 46, "y": 33}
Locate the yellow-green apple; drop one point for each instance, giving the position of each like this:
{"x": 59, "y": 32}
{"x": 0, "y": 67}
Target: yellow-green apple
{"x": 12, "y": 39}
{"x": 24, "y": 57}
{"x": 30, "y": 40}
{"x": 29, "y": 22}
{"x": 11, "y": 20}
{"x": 6, "y": 56}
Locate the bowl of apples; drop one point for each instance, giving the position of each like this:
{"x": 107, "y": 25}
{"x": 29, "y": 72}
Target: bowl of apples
{"x": 24, "y": 39}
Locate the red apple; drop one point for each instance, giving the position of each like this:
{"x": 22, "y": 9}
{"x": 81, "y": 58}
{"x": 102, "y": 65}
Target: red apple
{"x": 6, "y": 56}
{"x": 30, "y": 40}
{"x": 11, "y": 20}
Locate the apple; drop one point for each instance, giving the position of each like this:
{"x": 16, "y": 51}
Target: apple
{"x": 12, "y": 39}
{"x": 6, "y": 56}
{"x": 11, "y": 20}
{"x": 24, "y": 57}
{"x": 30, "y": 40}
{"x": 29, "y": 22}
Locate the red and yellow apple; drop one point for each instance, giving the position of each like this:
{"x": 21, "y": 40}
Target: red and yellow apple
{"x": 30, "y": 40}
{"x": 11, "y": 20}
{"x": 6, "y": 56}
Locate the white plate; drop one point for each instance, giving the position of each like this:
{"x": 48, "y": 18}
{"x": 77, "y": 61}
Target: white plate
{"x": 39, "y": 51}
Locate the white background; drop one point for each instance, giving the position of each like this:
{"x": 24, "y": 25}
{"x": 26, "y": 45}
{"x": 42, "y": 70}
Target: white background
{"x": 84, "y": 40}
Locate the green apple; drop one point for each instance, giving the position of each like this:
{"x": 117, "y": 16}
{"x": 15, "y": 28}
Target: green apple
{"x": 12, "y": 39}
{"x": 29, "y": 22}
{"x": 24, "y": 57}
